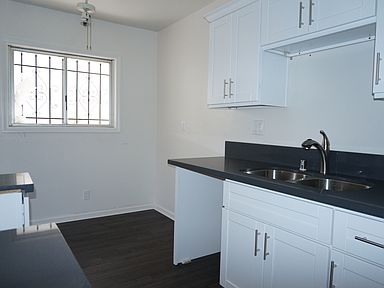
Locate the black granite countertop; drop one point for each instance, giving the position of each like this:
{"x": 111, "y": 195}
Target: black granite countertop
{"x": 14, "y": 181}
{"x": 38, "y": 259}
{"x": 369, "y": 201}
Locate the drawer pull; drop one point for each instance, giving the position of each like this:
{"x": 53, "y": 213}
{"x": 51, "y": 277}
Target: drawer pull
{"x": 301, "y": 8}
{"x": 331, "y": 274}
{"x": 256, "y": 237}
{"x": 365, "y": 240}
{"x": 266, "y": 237}
{"x": 377, "y": 73}
{"x": 225, "y": 86}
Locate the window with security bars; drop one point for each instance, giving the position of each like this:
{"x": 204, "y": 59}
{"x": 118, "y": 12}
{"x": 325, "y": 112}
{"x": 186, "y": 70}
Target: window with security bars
{"x": 57, "y": 89}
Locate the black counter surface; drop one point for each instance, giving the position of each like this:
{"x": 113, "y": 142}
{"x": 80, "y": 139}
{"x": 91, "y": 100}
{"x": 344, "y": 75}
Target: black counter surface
{"x": 370, "y": 201}
{"x": 14, "y": 181}
{"x": 38, "y": 259}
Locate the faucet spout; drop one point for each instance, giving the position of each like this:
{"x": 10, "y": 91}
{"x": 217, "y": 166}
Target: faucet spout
{"x": 307, "y": 144}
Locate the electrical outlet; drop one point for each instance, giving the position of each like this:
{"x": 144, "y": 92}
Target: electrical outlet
{"x": 258, "y": 127}
{"x": 87, "y": 195}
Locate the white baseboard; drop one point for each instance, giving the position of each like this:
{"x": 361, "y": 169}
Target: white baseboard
{"x": 95, "y": 214}
{"x": 165, "y": 212}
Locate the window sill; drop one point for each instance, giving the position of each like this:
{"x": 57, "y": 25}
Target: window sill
{"x": 60, "y": 129}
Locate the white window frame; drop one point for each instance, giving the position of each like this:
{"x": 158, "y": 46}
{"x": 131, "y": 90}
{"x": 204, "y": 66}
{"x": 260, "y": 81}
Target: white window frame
{"x": 11, "y": 126}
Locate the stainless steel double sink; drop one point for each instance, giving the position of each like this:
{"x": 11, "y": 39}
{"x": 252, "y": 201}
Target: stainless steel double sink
{"x": 317, "y": 182}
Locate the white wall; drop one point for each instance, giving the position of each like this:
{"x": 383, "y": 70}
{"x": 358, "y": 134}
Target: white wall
{"x": 118, "y": 168}
{"x": 330, "y": 90}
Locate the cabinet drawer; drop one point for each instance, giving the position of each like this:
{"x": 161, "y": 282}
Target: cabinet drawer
{"x": 289, "y": 213}
{"x": 359, "y": 235}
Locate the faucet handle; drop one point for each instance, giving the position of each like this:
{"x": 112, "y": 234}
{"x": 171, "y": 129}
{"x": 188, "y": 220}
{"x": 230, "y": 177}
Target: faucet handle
{"x": 326, "y": 143}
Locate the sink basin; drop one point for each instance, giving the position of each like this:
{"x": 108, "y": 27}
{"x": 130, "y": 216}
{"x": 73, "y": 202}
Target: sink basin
{"x": 276, "y": 174}
{"x": 332, "y": 184}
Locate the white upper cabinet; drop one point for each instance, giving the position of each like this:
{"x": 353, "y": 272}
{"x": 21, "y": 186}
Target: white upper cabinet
{"x": 220, "y": 41}
{"x": 378, "y": 72}
{"x": 282, "y": 19}
{"x": 285, "y": 19}
{"x": 235, "y": 59}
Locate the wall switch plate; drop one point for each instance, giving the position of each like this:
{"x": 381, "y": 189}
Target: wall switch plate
{"x": 87, "y": 195}
{"x": 258, "y": 127}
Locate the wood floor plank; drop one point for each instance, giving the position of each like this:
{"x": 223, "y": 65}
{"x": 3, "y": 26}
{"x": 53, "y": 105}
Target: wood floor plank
{"x": 135, "y": 250}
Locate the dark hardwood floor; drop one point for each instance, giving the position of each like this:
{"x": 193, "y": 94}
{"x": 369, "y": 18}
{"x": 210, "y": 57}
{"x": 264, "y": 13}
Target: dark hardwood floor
{"x": 135, "y": 250}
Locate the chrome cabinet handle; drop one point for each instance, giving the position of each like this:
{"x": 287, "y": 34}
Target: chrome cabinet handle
{"x": 224, "y": 88}
{"x": 301, "y": 8}
{"x": 266, "y": 237}
{"x": 311, "y": 4}
{"x": 256, "y": 237}
{"x": 333, "y": 266}
{"x": 365, "y": 240}
{"x": 377, "y": 74}
{"x": 230, "y": 88}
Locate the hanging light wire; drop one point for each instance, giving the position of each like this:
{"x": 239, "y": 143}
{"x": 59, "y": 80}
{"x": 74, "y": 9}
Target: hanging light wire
{"x": 87, "y": 10}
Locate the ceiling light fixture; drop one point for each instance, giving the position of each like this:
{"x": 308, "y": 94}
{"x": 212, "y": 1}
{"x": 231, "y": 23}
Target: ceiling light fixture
{"x": 86, "y": 10}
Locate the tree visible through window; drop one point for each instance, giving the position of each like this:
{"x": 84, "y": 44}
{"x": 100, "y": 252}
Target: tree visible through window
{"x": 58, "y": 89}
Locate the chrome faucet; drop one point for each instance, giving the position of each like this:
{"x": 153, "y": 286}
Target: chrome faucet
{"x": 323, "y": 149}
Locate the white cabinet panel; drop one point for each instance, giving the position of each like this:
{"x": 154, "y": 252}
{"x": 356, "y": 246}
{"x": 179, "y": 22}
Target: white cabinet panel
{"x": 298, "y": 216}
{"x": 241, "y": 258}
{"x": 245, "y": 53}
{"x": 258, "y": 254}
{"x": 378, "y": 72}
{"x": 198, "y": 203}
{"x": 361, "y": 236}
{"x": 11, "y": 210}
{"x": 219, "y": 66}
{"x": 281, "y": 19}
{"x": 331, "y": 13}
{"x": 293, "y": 261}
{"x": 287, "y": 19}
{"x": 350, "y": 272}
{"x": 237, "y": 77}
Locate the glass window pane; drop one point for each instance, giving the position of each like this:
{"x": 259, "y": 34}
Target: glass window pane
{"x": 16, "y": 57}
{"x": 57, "y": 62}
{"x": 105, "y": 68}
{"x": 83, "y": 98}
{"x": 83, "y": 65}
{"x": 71, "y": 97}
{"x": 94, "y": 97}
{"x": 42, "y": 96}
{"x": 95, "y": 67}
{"x": 38, "y": 91}
{"x": 28, "y": 58}
{"x": 71, "y": 64}
{"x": 24, "y": 92}
{"x": 57, "y": 97}
{"x": 43, "y": 60}
{"x": 105, "y": 98}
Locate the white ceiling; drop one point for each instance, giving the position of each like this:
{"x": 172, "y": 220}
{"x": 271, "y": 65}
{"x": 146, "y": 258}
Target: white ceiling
{"x": 146, "y": 14}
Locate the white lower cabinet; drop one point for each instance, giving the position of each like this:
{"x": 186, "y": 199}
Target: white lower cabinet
{"x": 351, "y": 272}
{"x": 259, "y": 255}
{"x": 293, "y": 261}
{"x": 273, "y": 240}
{"x": 241, "y": 265}
{"x": 14, "y": 210}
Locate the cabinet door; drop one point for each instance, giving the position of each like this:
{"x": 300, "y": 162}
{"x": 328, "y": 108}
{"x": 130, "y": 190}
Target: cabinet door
{"x": 11, "y": 210}
{"x": 331, "y": 13}
{"x": 241, "y": 251}
{"x": 245, "y": 53}
{"x": 350, "y": 272}
{"x": 292, "y": 261}
{"x": 283, "y": 19}
{"x": 219, "y": 60}
{"x": 378, "y": 74}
